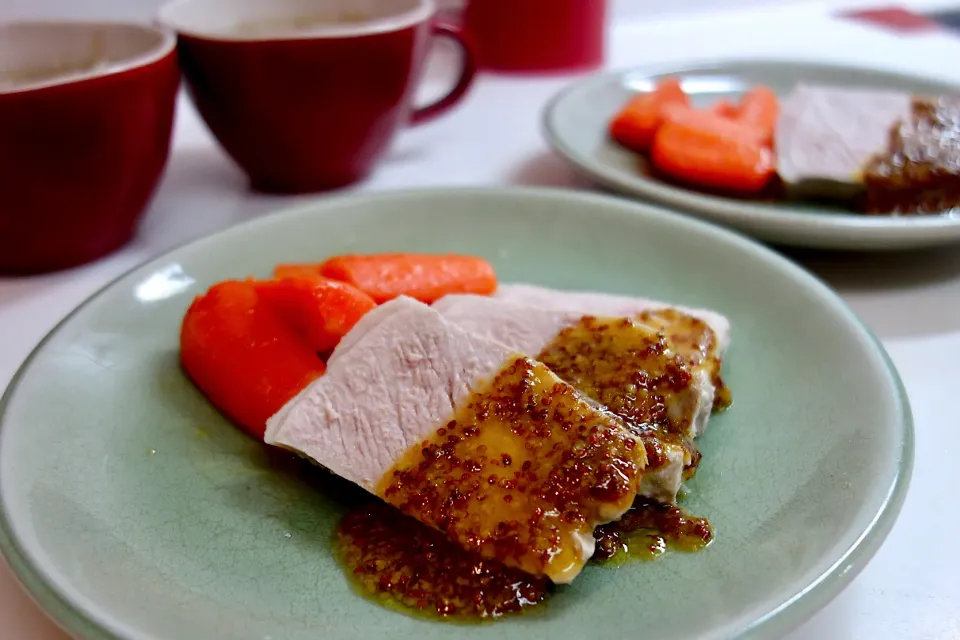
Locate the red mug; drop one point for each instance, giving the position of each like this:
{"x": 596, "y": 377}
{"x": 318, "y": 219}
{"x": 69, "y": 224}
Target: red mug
{"x": 306, "y": 95}
{"x": 86, "y": 114}
{"x": 537, "y": 35}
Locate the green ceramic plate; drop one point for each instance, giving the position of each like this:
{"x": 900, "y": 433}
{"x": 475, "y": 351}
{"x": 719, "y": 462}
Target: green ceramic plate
{"x": 575, "y": 124}
{"x": 131, "y": 509}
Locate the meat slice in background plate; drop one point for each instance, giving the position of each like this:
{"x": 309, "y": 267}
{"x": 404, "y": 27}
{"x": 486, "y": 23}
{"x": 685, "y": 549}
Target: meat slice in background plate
{"x": 623, "y": 365}
{"x": 827, "y": 136}
{"x": 469, "y": 436}
{"x": 887, "y": 152}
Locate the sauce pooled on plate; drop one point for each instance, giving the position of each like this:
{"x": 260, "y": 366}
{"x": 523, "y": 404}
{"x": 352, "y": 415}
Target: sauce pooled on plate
{"x": 522, "y": 474}
{"x": 392, "y": 557}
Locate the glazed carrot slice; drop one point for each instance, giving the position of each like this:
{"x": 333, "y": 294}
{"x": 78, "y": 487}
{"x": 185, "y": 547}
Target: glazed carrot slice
{"x": 423, "y": 277}
{"x": 711, "y": 151}
{"x": 243, "y": 356}
{"x": 760, "y": 109}
{"x": 724, "y": 109}
{"x": 697, "y": 118}
{"x": 297, "y": 271}
{"x": 319, "y": 309}
{"x": 635, "y": 125}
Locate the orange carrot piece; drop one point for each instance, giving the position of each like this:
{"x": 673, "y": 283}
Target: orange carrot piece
{"x": 243, "y": 356}
{"x": 635, "y": 125}
{"x": 308, "y": 271}
{"x": 711, "y": 151}
{"x": 760, "y": 109}
{"x": 697, "y": 118}
{"x": 423, "y": 277}
{"x": 724, "y": 109}
{"x": 319, "y": 309}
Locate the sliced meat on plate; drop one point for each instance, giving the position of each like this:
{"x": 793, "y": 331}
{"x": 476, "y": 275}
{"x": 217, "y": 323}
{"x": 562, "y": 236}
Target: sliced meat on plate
{"x": 625, "y": 366}
{"x": 827, "y": 136}
{"x": 469, "y": 436}
{"x": 699, "y": 336}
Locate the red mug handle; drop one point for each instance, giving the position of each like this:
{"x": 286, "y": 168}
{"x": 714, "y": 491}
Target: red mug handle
{"x": 468, "y": 69}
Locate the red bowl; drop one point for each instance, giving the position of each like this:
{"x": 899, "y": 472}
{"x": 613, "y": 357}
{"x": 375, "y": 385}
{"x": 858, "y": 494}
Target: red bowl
{"x": 308, "y": 95}
{"x": 86, "y": 115}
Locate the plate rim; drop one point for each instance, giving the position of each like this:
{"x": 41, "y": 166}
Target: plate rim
{"x": 873, "y": 232}
{"x": 74, "y": 620}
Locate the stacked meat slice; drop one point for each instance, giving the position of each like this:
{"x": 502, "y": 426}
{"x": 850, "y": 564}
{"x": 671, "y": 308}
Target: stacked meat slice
{"x": 666, "y": 416}
{"x": 517, "y": 423}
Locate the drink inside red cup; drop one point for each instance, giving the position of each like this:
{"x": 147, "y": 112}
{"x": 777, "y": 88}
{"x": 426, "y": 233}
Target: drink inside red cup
{"x": 537, "y": 35}
{"x": 86, "y": 114}
{"x": 307, "y": 95}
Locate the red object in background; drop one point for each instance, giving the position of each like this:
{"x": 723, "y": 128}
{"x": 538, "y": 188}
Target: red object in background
{"x": 896, "y": 19}
{"x": 303, "y": 112}
{"x": 537, "y": 35}
{"x": 80, "y": 159}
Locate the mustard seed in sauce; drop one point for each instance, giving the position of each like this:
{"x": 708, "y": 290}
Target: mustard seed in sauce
{"x": 529, "y": 516}
{"x": 630, "y": 369}
{"x": 694, "y": 341}
{"x": 624, "y": 366}
{"x": 397, "y": 560}
{"x": 527, "y": 465}
{"x": 640, "y": 370}
{"x": 649, "y": 529}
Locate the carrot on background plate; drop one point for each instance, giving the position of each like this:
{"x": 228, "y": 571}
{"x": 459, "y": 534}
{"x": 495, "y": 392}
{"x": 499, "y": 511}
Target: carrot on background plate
{"x": 637, "y": 122}
{"x": 725, "y": 109}
{"x": 760, "y": 109}
{"x": 308, "y": 271}
{"x": 708, "y": 150}
{"x": 425, "y": 277}
{"x": 697, "y": 118}
{"x": 243, "y": 356}
{"x": 319, "y": 309}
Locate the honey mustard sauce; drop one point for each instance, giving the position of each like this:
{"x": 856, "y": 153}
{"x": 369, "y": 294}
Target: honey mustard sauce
{"x": 522, "y": 473}
{"x": 641, "y": 371}
{"x": 694, "y": 341}
{"x": 405, "y": 564}
{"x": 501, "y": 486}
{"x": 649, "y": 529}
{"x": 629, "y": 368}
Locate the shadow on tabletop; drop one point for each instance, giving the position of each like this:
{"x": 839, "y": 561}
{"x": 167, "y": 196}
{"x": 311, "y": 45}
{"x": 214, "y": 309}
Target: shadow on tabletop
{"x": 402, "y": 154}
{"x": 546, "y": 169}
{"x": 833, "y": 621}
{"x": 901, "y": 294}
{"x": 881, "y": 270}
{"x": 204, "y": 192}
{"x": 13, "y": 288}
{"x": 21, "y": 613}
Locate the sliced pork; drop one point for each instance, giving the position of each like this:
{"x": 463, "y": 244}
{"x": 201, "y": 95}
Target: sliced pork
{"x": 612, "y": 305}
{"x": 623, "y": 365}
{"x": 699, "y": 336}
{"x": 826, "y": 136}
{"x": 469, "y": 436}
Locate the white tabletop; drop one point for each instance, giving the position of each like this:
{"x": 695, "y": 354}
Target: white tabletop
{"x": 910, "y": 590}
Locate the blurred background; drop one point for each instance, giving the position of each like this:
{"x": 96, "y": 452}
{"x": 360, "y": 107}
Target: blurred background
{"x": 145, "y": 9}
